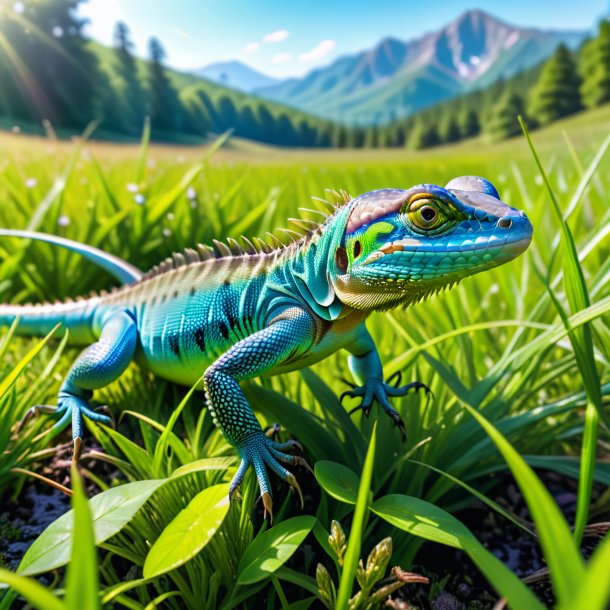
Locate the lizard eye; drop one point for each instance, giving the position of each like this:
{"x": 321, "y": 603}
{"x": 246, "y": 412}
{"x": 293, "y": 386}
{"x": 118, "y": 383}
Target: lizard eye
{"x": 357, "y": 249}
{"x": 424, "y": 214}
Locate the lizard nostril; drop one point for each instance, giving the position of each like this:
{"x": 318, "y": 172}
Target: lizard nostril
{"x": 505, "y": 223}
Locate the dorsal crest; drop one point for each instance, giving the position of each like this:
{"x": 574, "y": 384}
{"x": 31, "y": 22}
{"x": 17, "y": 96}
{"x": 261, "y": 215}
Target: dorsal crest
{"x": 282, "y": 239}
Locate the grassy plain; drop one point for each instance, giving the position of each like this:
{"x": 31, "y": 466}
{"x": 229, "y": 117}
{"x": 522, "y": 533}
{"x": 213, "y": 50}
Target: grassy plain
{"x": 496, "y": 343}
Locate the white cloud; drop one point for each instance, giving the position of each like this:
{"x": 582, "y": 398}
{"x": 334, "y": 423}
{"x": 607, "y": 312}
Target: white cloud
{"x": 278, "y": 36}
{"x": 320, "y": 51}
{"x": 182, "y": 33}
{"x": 281, "y": 58}
{"x": 252, "y": 47}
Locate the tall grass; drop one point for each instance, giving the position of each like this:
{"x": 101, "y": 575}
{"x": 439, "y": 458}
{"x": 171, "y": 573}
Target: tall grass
{"x": 526, "y": 346}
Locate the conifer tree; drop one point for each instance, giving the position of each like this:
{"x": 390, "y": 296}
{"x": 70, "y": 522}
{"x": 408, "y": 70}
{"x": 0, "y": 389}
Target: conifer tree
{"x": 133, "y": 99}
{"x": 503, "y": 122}
{"x": 469, "y": 124}
{"x": 556, "y": 94}
{"x": 595, "y": 68}
{"x": 165, "y": 109}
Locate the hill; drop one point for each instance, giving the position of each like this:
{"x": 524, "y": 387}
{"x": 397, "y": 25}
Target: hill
{"x": 397, "y": 78}
{"x": 236, "y": 75}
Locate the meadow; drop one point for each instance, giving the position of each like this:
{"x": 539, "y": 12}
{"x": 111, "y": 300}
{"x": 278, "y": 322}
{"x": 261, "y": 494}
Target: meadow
{"x": 517, "y": 358}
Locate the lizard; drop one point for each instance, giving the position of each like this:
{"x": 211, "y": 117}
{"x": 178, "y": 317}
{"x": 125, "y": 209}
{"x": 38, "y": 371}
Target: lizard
{"x": 231, "y": 312}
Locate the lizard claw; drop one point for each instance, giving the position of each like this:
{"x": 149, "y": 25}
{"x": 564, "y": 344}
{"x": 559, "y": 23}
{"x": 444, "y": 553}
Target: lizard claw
{"x": 78, "y": 449}
{"x": 292, "y": 481}
{"x": 262, "y": 453}
{"x": 268, "y": 506}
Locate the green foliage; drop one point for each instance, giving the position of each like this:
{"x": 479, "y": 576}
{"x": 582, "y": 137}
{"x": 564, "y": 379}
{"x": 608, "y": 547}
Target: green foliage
{"x": 503, "y": 121}
{"x": 555, "y": 95}
{"x": 498, "y": 343}
{"x": 595, "y": 68}
{"x": 272, "y": 549}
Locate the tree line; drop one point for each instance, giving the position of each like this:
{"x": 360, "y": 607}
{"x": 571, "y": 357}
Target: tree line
{"x": 50, "y": 71}
{"x": 564, "y": 84}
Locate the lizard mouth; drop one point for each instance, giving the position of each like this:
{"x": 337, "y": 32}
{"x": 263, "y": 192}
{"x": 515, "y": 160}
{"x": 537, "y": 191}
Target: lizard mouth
{"x": 492, "y": 245}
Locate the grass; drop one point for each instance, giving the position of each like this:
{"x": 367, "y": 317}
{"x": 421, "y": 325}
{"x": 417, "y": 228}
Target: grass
{"x": 515, "y": 358}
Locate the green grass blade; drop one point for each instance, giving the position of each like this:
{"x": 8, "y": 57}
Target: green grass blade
{"x": 82, "y": 578}
{"x": 582, "y": 341}
{"x": 143, "y": 156}
{"x": 560, "y": 551}
{"x": 594, "y": 591}
{"x": 354, "y": 544}
{"x": 10, "y": 379}
{"x": 32, "y": 591}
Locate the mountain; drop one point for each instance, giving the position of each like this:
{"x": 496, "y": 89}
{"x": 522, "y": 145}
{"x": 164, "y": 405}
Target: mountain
{"x": 236, "y": 75}
{"x": 397, "y": 78}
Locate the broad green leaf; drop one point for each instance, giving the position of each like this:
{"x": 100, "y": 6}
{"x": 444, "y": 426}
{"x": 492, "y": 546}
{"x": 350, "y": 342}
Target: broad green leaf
{"x": 110, "y": 510}
{"x": 563, "y": 557}
{"x": 32, "y": 591}
{"x": 269, "y": 551}
{"x": 338, "y": 481}
{"x": 356, "y": 534}
{"x": 189, "y": 532}
{"x": 428, "y": 521}
{"x": 82, "y": 578}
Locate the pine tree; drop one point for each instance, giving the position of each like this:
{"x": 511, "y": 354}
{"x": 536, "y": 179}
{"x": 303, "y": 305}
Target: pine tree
{"x": 133, "y": 98}
{"x": 503, "y": 121}
{"x": 449, "y": 130}
{"x": 469, "y": 124}
{"x": 423, "y": 134}
{"x": 165, "y": 109}
{"x": 556, "y": 94}
{"x": 595, "y": 68}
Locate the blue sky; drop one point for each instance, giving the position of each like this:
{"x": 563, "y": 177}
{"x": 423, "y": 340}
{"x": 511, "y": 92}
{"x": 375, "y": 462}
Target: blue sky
{"x": 289, "y": 38}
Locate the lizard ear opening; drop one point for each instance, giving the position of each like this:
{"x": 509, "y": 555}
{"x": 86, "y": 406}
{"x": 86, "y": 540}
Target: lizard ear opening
{"x": 472, "y": 183}
{"x": 341, "y": 259}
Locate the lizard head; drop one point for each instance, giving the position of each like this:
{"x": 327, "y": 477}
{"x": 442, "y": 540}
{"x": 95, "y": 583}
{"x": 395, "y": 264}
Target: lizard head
{"x": 402, "y": 245}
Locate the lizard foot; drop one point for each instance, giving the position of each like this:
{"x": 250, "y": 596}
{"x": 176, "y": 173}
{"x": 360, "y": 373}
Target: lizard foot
{"x": 378, "y": 390}
{"x": 70, "y": 408}
{"x": 260, "y": 452}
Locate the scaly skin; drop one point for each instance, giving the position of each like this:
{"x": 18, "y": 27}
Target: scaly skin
{"x": 234, "y": 316}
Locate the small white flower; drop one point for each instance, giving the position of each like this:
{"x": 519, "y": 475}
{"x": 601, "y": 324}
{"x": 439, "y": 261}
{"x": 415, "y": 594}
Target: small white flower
{"x": 538, "y": 180}
{"x": 57, "y": 31}
{"x": 31, "y": 183}
{"x": 63, "y": 221}
{"x": 16, "y": 129}
{"x": 191, "y": 193}
{"x": 132, "y": 188}
{"x": 139, "y": 199}
{"x": 170, "y": 216}
{"x": 167, "y": 232}
{"x": 19, "y": 8}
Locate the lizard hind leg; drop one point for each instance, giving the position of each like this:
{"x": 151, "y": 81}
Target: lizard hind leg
{"x": 97, "y": 366}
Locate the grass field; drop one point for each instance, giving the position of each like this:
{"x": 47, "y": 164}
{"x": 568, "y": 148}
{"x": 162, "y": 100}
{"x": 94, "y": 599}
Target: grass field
{"x": 496, "y": 347}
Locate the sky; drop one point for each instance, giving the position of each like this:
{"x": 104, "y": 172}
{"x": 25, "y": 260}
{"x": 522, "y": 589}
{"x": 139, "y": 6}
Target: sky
{"x": 285, "y": 38}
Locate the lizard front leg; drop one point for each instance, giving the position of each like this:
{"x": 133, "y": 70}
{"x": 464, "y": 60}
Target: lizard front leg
{"x": 365, "y": 366}
{"x": 97, "y": 366}
{"x": 289, "y": 334}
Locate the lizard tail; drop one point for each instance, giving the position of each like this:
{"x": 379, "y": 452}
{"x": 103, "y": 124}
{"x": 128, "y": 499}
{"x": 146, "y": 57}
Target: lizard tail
{"x": 38, "y": 320}
{"x": 120, "y": 269}
{"x": 77, "y": 316}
